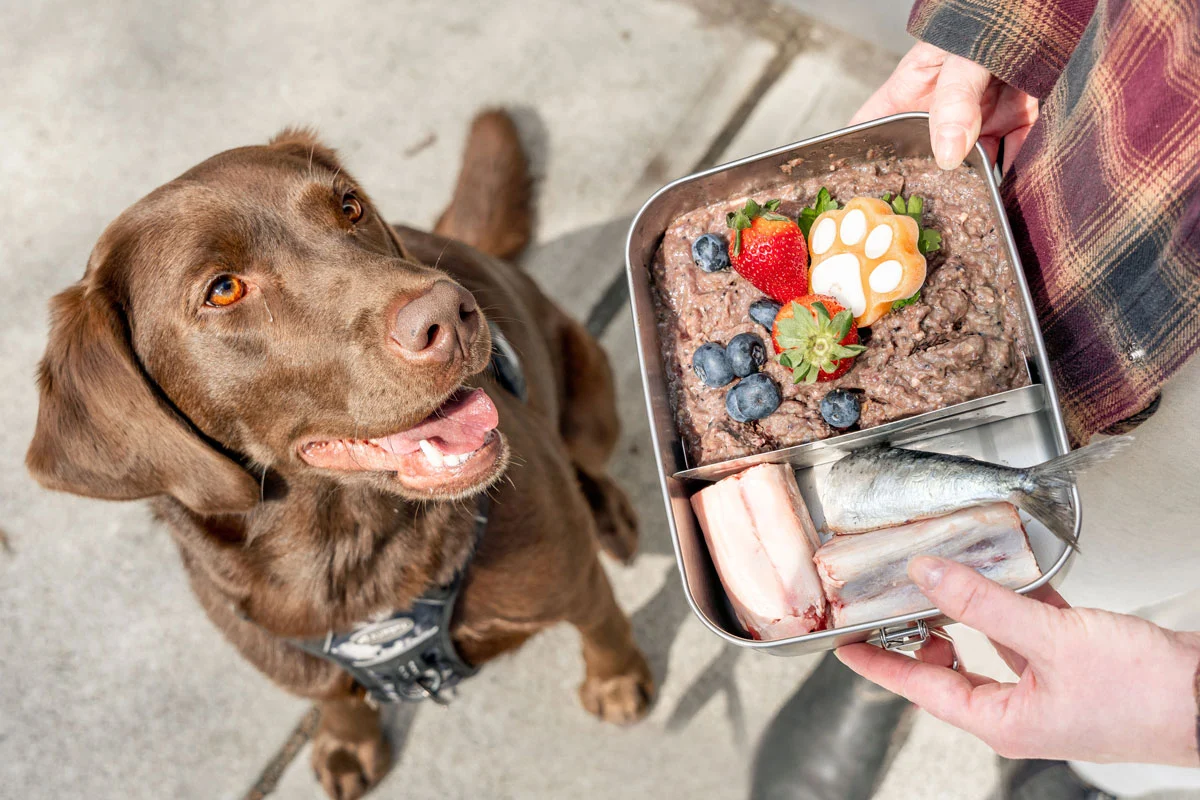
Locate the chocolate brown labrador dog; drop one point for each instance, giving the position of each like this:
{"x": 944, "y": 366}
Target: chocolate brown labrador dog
{"x": 301, "y": 389}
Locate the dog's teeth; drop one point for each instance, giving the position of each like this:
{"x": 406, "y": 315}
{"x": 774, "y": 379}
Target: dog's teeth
{"x": 434, "y": 455}
{"x": 452, "y": 460}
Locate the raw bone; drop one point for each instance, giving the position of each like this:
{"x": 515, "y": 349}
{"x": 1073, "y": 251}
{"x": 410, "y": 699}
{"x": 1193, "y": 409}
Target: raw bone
{"x": 762, "y": 542}
{"x": 865, "y": 574}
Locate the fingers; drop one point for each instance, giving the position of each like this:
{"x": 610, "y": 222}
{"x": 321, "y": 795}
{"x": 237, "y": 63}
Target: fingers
{"x": 1015, "y": 661}
{"x": 1049, "y": 595}
{"x": 956, "y": 112}
{"x": 1013, "y": 143}
{"x": 1011, "y": 118}
{"x": 908, "y": 88}
{"x": 1019, "y": 623}
{"x": 942, "y": 653}
{"x": 942, "y": 692}
{"x": 939, "y": 651}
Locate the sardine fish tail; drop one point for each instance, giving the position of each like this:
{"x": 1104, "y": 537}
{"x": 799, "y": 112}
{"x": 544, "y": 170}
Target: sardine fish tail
{"x": 1050, "y": 500}
{"x": 1050, "y": 504}
{"x": 1075, "y": 462}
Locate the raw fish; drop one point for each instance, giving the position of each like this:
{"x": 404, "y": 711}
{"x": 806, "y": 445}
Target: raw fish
{"x": 881, "y": 486}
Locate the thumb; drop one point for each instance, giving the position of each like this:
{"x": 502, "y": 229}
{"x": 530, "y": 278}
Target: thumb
{"x": 1025, "y": 626}
{"x": 956, "y": 113}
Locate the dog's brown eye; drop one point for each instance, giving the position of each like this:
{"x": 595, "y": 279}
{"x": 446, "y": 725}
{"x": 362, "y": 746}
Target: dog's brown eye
{"x": 225, "y": 291}
{"x": 352, "y": 207}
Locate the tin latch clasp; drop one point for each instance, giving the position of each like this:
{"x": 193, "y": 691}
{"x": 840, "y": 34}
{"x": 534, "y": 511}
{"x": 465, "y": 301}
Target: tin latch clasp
{"x": 905, "y": 638}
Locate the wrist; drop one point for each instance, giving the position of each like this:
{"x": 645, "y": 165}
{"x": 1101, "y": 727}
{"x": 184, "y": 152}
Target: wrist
{"x": 1182, "y": 679}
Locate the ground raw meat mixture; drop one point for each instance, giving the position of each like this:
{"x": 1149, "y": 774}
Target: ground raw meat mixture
{"x": 961, "y": 341}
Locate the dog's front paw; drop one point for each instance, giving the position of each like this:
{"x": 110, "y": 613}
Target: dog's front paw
{"x": 620, "y": 699}
{"x": 349, "y": 769}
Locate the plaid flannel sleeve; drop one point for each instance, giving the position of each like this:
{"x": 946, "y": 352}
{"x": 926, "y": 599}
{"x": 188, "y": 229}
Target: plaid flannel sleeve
{"x": 1025, "y": 43}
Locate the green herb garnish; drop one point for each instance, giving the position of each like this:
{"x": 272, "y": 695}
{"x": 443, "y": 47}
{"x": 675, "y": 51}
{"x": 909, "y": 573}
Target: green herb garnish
{"x": 929, "y": 240}
{"x": 809, "y": 215}
{"x": 907, "y": 301}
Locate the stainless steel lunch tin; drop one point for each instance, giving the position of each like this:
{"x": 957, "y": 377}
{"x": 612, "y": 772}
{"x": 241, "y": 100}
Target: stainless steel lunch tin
{"x": 1021, "y": 427}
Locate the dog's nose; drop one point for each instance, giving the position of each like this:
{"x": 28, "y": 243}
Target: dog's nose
{"x": 437, "y": 324}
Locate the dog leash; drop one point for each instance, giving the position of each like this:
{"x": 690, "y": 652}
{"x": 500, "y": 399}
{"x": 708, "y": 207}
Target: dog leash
{"x": 408, "y": 655}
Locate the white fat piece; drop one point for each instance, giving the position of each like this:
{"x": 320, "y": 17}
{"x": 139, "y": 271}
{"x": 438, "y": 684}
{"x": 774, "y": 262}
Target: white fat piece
{"x": 854, "y": 226}
{"x": 878, "y": 242}
{"x": 841, "y": 277}
{"x": 432, "y": 454}
{"x": 886, "y": 277}
{"x": 823, "y": 236}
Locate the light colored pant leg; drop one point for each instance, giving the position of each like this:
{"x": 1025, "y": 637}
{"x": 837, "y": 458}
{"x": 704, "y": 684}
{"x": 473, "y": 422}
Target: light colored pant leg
{"x": 1141, "y": 511}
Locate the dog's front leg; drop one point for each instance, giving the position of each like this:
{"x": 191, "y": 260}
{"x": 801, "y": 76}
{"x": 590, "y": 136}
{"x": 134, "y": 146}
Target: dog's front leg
{"x": 617, "y": 686}
{"x": 349, "y": 752}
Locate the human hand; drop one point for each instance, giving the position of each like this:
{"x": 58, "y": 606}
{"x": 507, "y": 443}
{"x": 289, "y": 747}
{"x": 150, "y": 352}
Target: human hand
{"x": 1094, "y": 686}
{"x": 965, "y": 102}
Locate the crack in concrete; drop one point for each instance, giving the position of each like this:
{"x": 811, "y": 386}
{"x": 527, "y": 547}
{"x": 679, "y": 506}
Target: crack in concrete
{"x": 616, "y": 293}
{"x": 268, "y": 779}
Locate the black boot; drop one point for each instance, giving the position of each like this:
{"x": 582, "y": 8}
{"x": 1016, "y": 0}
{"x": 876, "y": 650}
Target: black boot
{"x": 1044, "y": 780}
{"x": 831, "y": 741}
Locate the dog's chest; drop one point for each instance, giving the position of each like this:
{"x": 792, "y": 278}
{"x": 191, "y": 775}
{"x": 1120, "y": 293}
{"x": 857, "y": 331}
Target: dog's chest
{"x": 408, "y": 654}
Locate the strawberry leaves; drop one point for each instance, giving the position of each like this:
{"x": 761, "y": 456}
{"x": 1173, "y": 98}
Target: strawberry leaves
{"x": 809, "y": 215}
{"x": 929, "y": 239}
{"x": 811, "y": 341}
{"x": 743, "y": 218}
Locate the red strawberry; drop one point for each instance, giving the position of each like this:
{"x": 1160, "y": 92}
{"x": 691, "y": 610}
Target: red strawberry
{"x": 815, "y": 338}
{"x": 768, "y": 249}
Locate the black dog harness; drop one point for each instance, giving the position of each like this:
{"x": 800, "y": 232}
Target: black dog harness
{"x": 408, "y": 654}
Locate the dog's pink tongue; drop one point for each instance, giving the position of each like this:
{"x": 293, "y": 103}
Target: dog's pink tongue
{"x": 460, "y": 426}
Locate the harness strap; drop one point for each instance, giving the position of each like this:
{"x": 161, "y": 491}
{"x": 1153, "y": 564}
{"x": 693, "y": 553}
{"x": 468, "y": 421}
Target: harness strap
{"x": 405, "y": 655}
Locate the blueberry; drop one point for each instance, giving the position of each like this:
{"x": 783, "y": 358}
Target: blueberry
{"x": 711, "y": 253}
{"x": 746, "y": 354}
{"x": 753, "y": 398}
{"x": 840, "y": 408}
{"x": 711, "y": 365}
{"x": 763, "y": 312}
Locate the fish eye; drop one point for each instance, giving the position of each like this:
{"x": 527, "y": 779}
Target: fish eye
{"x": 225, "y": 290}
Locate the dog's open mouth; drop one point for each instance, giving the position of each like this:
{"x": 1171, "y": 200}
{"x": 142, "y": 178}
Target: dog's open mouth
{"x": 453, "y": 449}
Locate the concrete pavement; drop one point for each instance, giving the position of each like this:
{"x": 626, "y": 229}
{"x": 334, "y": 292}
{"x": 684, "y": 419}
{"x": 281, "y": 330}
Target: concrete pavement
{"x": 112, "y": 682}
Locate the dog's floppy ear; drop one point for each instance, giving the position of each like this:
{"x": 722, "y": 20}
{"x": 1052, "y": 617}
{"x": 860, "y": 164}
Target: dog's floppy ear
{"x": 303, "y": 143}
{"x": 102, "y": 429}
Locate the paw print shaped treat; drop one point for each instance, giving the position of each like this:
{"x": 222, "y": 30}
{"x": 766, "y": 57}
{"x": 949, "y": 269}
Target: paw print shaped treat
{"x": 866, "y": 256}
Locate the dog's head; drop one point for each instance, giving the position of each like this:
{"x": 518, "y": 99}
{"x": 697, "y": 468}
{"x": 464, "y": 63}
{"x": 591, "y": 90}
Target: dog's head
{"x": 258, "y": 312}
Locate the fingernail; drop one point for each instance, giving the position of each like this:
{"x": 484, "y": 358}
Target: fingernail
{"x": 926, "y": 571}
{"x": 949, "y": 146}
{"x": 838, "y": 655}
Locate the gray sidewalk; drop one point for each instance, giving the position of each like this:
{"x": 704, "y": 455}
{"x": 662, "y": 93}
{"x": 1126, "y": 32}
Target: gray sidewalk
{"x": 112, "y": 682}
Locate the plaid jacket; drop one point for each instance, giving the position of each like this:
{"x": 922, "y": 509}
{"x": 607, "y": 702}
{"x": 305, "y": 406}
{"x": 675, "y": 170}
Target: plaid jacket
{"x": 1104, "y": 197}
